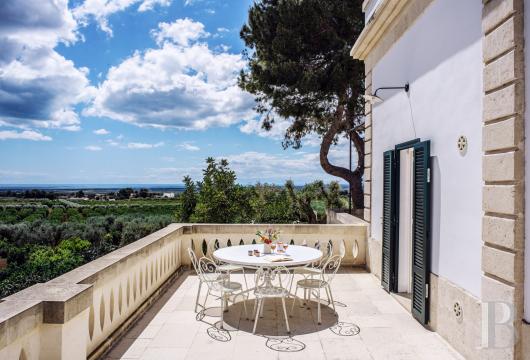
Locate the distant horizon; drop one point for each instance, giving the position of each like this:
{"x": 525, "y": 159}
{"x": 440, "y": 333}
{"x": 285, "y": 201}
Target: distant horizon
{"x": 11, "y": 186}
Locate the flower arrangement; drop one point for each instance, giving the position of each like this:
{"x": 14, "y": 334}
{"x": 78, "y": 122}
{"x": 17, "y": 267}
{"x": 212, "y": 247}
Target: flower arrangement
{"x": 268, "y": 236}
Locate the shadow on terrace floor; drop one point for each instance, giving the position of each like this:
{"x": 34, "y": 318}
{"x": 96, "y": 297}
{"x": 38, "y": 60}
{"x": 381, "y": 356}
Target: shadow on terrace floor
{"x": 370, "y": 325}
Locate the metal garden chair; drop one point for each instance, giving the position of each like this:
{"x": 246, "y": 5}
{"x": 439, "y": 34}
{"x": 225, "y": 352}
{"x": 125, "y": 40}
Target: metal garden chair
{"x": 329, "y": 270}
{"x": 271, "y": 284}
{"x": 224, "y": 289}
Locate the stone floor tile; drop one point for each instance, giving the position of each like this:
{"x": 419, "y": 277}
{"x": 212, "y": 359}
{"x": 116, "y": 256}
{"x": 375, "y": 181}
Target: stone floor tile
{"x": 161, "y": 353}
{"x": 129, "y": 349}
{"x": 170, "y": 329}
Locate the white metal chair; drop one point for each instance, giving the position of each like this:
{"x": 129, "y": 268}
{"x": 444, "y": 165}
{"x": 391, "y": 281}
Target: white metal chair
{"x": 271, "y": 284}
{"x": 315, "y": 268}
{"x": 222, "y": 287}
{"x": 329, "y": 270}
{"x": 213, "y": 245}
{"x": 205, "y": 278}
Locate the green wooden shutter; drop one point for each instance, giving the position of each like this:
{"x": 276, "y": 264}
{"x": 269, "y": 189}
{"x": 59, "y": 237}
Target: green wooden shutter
{"x": 387, "y": 260}
{"x": 421, "y": 245}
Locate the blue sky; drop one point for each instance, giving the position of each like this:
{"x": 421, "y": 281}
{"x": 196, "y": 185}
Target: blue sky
{"x": 133, "y": 91}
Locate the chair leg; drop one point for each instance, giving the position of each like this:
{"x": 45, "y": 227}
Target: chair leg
{"x": 294, "y": 299}
{"x": 260, "y": 304}
{"x": 255, "y": 306}
{"x": 291, "y": 285}
{"x": 318, "y": 307}
{"x": 198, "y": 293}
{"x": 308, "y": 299}
{"x": 327, "y": 295}
{"x": 331, "y": 296}
{"x": 245, "y": 278}
{"x": 262, "y": 307}
{"x": 285, "y": 314}
{"x": 222, "y": 310}
{"x": 205, "y": 299}
{"x": 245, "y": 307}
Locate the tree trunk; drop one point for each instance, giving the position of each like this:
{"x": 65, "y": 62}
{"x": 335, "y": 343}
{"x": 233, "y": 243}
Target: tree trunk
{"x": 309, "y": 212}
{"x": 354, "y": 178}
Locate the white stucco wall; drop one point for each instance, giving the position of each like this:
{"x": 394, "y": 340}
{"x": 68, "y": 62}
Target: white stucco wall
{"x": 441, "y": 57}
{"x": 527, "y": 165}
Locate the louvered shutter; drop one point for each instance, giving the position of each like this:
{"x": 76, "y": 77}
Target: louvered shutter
{"x": 421, "y": 233}
{"x": 387, "y": 260}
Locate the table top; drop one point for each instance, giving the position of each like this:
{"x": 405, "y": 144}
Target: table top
{"x": 238, "y": 255}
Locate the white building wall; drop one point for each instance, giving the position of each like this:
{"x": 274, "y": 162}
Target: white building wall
{"x": 527, "y": 164}
{"x": 441, "y": 57}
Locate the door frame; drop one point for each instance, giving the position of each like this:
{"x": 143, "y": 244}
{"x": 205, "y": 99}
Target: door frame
{"x": 403, "y": 146}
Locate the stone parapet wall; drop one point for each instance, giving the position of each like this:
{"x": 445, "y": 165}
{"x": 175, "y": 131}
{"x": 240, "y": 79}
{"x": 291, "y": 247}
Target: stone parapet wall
{"x": 79, "y": 314}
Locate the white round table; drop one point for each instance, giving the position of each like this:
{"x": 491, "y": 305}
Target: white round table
{"x": 238, "y": 255}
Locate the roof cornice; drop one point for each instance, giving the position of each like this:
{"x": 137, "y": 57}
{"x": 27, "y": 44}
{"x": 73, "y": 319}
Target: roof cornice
{"x": 376, "y": 27}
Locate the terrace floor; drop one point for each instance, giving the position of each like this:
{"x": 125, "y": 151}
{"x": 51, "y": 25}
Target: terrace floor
{"x": 371, "y": 325}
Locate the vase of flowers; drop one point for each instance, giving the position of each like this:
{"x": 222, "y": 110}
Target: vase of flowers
{"x": 267, "y": 237}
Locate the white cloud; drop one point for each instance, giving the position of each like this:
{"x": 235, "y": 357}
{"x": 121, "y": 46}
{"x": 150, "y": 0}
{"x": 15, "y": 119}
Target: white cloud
{"x": 255, "y": 166}
{"x": 300, "y": 166}
{"x": 135, "y": 145}
{"x": 277, "y": 132}
{"x": 37, "y": 23}
{"x": 150, "y": 4}
{"x": 23, "y": 135}
{"x": 188, "y": 146}
{"x": 253, "y": 126}
{"x": 38, "y": 86}
{"x": 101, "y": 132}
{"x": 93, "y": 148}
{"x": 101, "y": 10}
{"x": 181, "y": 32}
{"x": 113, "y": 142}
{"x": 175, "y": 86}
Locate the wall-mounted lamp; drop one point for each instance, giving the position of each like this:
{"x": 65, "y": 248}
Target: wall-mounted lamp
{"x": 374, "y": 99}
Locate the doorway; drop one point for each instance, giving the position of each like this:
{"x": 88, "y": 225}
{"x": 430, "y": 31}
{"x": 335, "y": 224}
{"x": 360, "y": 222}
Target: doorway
{"x": 406, "y": 226}
{"x": 405, "y": 208}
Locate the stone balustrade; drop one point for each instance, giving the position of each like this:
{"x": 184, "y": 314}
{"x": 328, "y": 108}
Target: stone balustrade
{"x": 79, "y": 314}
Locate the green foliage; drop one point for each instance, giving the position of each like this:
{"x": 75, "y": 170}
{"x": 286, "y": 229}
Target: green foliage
{"x": 272, "y": 205}
{"x": 302, "y": 199}
{"x": 331, "y": 195}
{"x": 124, "y": 193}
{"x": 300, "y": 65}
{"x": 41, "y": 264}
{"x": 220, "y": 199}
{"x": 41, "y": 250}
{"x": 300, "y": 70}
{"x": 188, "y": 199}
{"x": 42, "y": 239}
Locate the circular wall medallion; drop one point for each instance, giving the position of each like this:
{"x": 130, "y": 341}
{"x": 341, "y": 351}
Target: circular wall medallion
{"x": 462, "y": 145}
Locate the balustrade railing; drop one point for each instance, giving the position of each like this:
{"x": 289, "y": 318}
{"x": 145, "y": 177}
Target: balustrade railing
{"x": 80, "y": 313}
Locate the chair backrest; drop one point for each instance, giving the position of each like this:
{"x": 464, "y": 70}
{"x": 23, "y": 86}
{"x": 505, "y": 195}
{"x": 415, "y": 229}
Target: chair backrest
{"x": 213, "y": 244}
{"x": 208, "y": 271}
{"x": 279, "y": 277}
{"x": 327, "y": 251}
{"x": 330, "y": 268}
{"x": 194, "y": 260}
